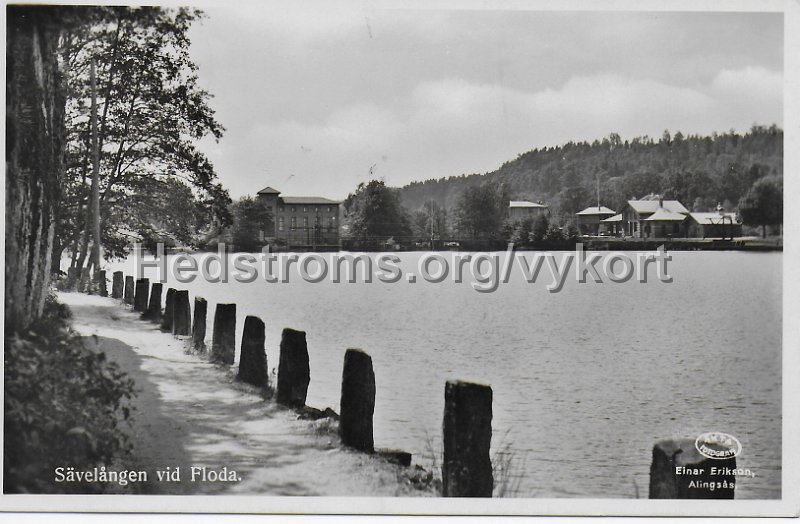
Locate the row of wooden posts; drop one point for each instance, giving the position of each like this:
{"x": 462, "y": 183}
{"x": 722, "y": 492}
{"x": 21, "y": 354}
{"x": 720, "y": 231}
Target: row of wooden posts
{"x": 467, "y": 428}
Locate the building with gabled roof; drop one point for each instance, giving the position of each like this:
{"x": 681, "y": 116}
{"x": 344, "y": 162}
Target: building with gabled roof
{"x": 654, "y": 217}
{"x": 302, "y": 223}
{"x": 612, "y": 226}
{"x": 522, "y": 209}
{"x": 589, "y": 219}
{"x": 716, "y": 224}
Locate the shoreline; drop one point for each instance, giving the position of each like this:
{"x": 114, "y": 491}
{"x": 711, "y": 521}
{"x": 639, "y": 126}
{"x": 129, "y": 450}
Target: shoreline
{"x": 192, "y": 413}
{"x": 746, "y": 244}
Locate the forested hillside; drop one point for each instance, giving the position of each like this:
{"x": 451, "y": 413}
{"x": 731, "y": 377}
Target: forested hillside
{"x": 700, "y": 171}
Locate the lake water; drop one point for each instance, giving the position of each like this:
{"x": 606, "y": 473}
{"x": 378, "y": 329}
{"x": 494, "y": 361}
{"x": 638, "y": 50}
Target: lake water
{"x": 585, "y": 381}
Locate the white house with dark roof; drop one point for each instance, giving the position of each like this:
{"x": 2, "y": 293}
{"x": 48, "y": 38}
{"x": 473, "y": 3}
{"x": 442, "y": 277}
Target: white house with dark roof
{"x": 301, "y": 222}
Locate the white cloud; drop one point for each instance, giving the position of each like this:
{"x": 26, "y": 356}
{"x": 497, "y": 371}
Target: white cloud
{"x": 326, "y": 90}
{"x": 451, "y": 126}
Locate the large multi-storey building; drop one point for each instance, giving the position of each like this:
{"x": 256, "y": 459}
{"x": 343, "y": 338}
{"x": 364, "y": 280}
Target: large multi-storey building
{"x": 301, "y": 223}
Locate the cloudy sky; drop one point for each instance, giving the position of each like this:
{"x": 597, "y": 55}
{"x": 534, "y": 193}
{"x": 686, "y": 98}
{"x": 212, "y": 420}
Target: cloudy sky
{"x": 316, "y": 101}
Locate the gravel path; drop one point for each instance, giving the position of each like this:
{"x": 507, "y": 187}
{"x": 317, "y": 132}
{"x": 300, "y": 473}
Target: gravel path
{"x": 190, "y": 413}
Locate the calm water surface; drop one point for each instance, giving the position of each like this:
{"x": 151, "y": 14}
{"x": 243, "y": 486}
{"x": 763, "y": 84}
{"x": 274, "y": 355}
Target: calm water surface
{"x": 585, "y": 380}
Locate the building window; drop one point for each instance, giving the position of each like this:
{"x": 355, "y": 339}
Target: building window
{"x": 316, "y": 209}
{"x": 305, "y": 222}
{"x": 280, "y": 208}
{"x": 305, "y": 210}
{"x": 294, "y": 223}
{"x": 331, "y": 222}
{"x": 280, "y": 223}
{"x": 294, "y": 209}
{"x": 329, "y": 209}
{"x": 316, "y": 221}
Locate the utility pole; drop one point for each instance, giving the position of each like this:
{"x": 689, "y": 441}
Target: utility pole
{"x": 430, "y": 206}
{"x": 95, "y": 176}
{"x": 598, "y": 191}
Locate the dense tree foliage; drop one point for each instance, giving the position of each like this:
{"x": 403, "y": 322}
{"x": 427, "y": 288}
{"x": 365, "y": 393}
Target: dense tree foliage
{"x": 701, "y": 171}
{"x": 481, "y": 211}
{"x": 763, "y": 204}
{"x": 374, "y": 215}
{"x": 151, "y": 113}
{"x": 250, "y": 219}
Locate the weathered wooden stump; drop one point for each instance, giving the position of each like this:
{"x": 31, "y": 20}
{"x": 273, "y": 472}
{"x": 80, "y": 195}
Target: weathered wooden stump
{"x": 199, "y": 324}
{"x": 223, "y": 339}
{"x": 153, "y": 312}
{"x": 467, "y": 435}
{"x": 181, "y": 314}
{"x": 167, "y": 319}
{"x": 294, "y": 373}
{"x": 140, "y": 296}
{"x": 117, "y": 284}
{"x": 72, "y": 278}
{"x": 129, "y": 290}
{"x": 253, "y": 357}
{"x": 102, "y": 283}
{"x": 83, "y": 280}
{"x": 358, "y": 401}
{"x": 679, "y": 471}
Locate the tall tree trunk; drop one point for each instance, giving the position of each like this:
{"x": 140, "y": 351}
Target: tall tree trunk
{"x": 763, "y": 231}
{"x": 34, "y": 159}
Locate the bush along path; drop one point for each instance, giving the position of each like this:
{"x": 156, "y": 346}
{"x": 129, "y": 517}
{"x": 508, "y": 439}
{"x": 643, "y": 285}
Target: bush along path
{"x": 198, "y": 429}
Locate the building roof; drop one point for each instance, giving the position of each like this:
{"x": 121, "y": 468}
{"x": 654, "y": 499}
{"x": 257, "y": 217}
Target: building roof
{"x": 596, "y": 210}
{"x": 651, "y": 206}
{"x": 269, "y": 191}
{"x": 615, "y": 218}
{"x": 308, "y": 200}
{"x": 663, "y": 214}
{"x": 524, "y": 203}
{"x": 707, "y": 219}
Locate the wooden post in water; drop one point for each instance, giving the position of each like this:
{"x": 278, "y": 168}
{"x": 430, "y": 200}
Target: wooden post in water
{"x": 129, "y": 290}
{"x": 223, "y": 340}
{"x": 679, "y": 471}
{"x": 358, "y": 401}
{"x": 199, "y": 324}
{"x": 140, "y": 295}
{"x": 153, "y": 312}
{"x": 181, "y": 314}
{"x": 253, "y": 358}
{"x": 102, "y": 283}
{"x": 467, "y": 435}
{"x": 294, "y": 373}
{"x": 117, "y": 285}
{"x": 167, "y": 319}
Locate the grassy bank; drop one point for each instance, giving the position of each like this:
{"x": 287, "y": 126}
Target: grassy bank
{"x": 64, "y": 406}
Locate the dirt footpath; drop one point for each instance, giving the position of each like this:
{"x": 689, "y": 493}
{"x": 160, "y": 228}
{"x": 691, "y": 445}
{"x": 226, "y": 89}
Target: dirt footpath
{"x": 193, "y": 414}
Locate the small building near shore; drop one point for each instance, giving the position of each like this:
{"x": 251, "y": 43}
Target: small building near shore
{"x": 306, "y": 223}
{"x": 522, "y": 209}
{"x": 654, "y": 217}
{"x": 589, "y": 219}
{"x": 720, "y": 224}
{"x": 612, "y": 226}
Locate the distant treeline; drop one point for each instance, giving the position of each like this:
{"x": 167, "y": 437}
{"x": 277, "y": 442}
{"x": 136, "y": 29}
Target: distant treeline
{"x": 700, "y": 171}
